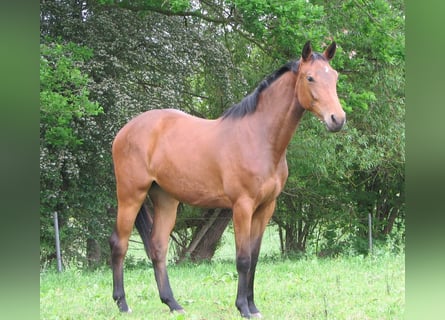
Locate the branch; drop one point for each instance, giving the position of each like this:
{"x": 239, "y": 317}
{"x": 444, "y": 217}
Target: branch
{"x": 203, "y": 231}
{"x": 138, "y": 7}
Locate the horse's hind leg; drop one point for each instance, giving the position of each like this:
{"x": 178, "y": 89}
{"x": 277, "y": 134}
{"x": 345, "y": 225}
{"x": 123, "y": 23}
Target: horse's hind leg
{"x": 129, "y": 202}
{"x": 164, "y": 220}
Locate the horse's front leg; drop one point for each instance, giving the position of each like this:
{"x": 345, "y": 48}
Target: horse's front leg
{"x": 260, "y": 220}
{"x": 242, "y": 217}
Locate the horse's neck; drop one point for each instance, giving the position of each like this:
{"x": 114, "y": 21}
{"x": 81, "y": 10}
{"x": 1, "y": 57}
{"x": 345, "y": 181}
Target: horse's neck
{"x": 279, "y": 113}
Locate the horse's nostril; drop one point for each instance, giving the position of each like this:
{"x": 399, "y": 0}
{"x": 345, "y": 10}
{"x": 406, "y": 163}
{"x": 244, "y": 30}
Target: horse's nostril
{"x": 333, "y": 118}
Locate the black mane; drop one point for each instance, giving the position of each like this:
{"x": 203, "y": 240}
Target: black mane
{"x": 249, "y": 103}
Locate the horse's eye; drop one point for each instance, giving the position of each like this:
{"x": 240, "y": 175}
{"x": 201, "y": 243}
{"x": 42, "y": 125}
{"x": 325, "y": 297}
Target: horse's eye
{"x": 310, "y": 79}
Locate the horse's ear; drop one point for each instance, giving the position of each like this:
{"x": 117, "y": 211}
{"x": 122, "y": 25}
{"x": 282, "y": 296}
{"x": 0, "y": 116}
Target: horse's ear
{"x": 307, "y": 51}
{"x": 330, "y": 51}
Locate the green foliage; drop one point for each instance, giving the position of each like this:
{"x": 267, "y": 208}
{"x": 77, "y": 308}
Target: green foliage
{"x": 63, "y": 93}
{"x": 179, "y": 5}
{"x": 281, "y": 25}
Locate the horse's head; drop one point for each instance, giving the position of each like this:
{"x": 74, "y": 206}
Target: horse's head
{"x": 316, "y": 87}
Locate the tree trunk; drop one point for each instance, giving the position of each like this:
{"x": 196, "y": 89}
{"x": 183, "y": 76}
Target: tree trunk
{"x": 390, "y": 222}
{"x": 207, "y": 236}
{"x": 295, "y": 239}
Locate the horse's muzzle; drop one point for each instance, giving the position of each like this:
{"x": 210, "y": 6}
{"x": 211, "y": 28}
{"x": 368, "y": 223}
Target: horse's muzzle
{"x": 336, "y": 123}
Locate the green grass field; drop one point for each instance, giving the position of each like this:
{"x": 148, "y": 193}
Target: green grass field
{"x": 311, "y": 288}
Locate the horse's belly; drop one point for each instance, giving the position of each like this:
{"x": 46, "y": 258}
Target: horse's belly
{"x": 193, "y": 182}
{"x": 195, "y": 193}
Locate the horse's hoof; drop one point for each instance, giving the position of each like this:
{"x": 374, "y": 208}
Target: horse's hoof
{"x": 178, "y": 311}
{"x": 256, "y": 315}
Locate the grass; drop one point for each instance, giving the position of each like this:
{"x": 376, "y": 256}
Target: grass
{"x": 309, "y": 288}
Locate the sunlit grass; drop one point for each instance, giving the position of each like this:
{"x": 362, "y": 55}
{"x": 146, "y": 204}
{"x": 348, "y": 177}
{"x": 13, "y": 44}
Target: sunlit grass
{"x": 341, "y": 288}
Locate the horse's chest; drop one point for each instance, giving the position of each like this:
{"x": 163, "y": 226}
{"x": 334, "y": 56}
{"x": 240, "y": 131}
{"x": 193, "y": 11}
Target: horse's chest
{"x": 268, "y": 185}
{"x": 272, "y": 187}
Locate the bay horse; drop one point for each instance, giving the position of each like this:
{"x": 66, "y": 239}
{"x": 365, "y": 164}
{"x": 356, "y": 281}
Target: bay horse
{"x": 237, "y": 161}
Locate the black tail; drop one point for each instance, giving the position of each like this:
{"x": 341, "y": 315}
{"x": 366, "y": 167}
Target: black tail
{"x": 143, "y": 224}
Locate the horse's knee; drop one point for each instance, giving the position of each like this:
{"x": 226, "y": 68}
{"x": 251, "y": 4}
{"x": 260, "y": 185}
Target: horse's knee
{"x": 243, "y": 263}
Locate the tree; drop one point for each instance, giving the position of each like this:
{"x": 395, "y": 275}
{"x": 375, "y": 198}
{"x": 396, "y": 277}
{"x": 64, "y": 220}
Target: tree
{"x": 66, "y": 120}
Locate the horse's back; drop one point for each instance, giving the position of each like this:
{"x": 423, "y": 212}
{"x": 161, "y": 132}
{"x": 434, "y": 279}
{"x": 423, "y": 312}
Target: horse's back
{"x": 151, "y": 127}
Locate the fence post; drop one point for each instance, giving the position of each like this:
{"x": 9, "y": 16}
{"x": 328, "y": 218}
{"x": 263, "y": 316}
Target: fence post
{"x": 370, "y": 232}
{"x": 56, "y": 230}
